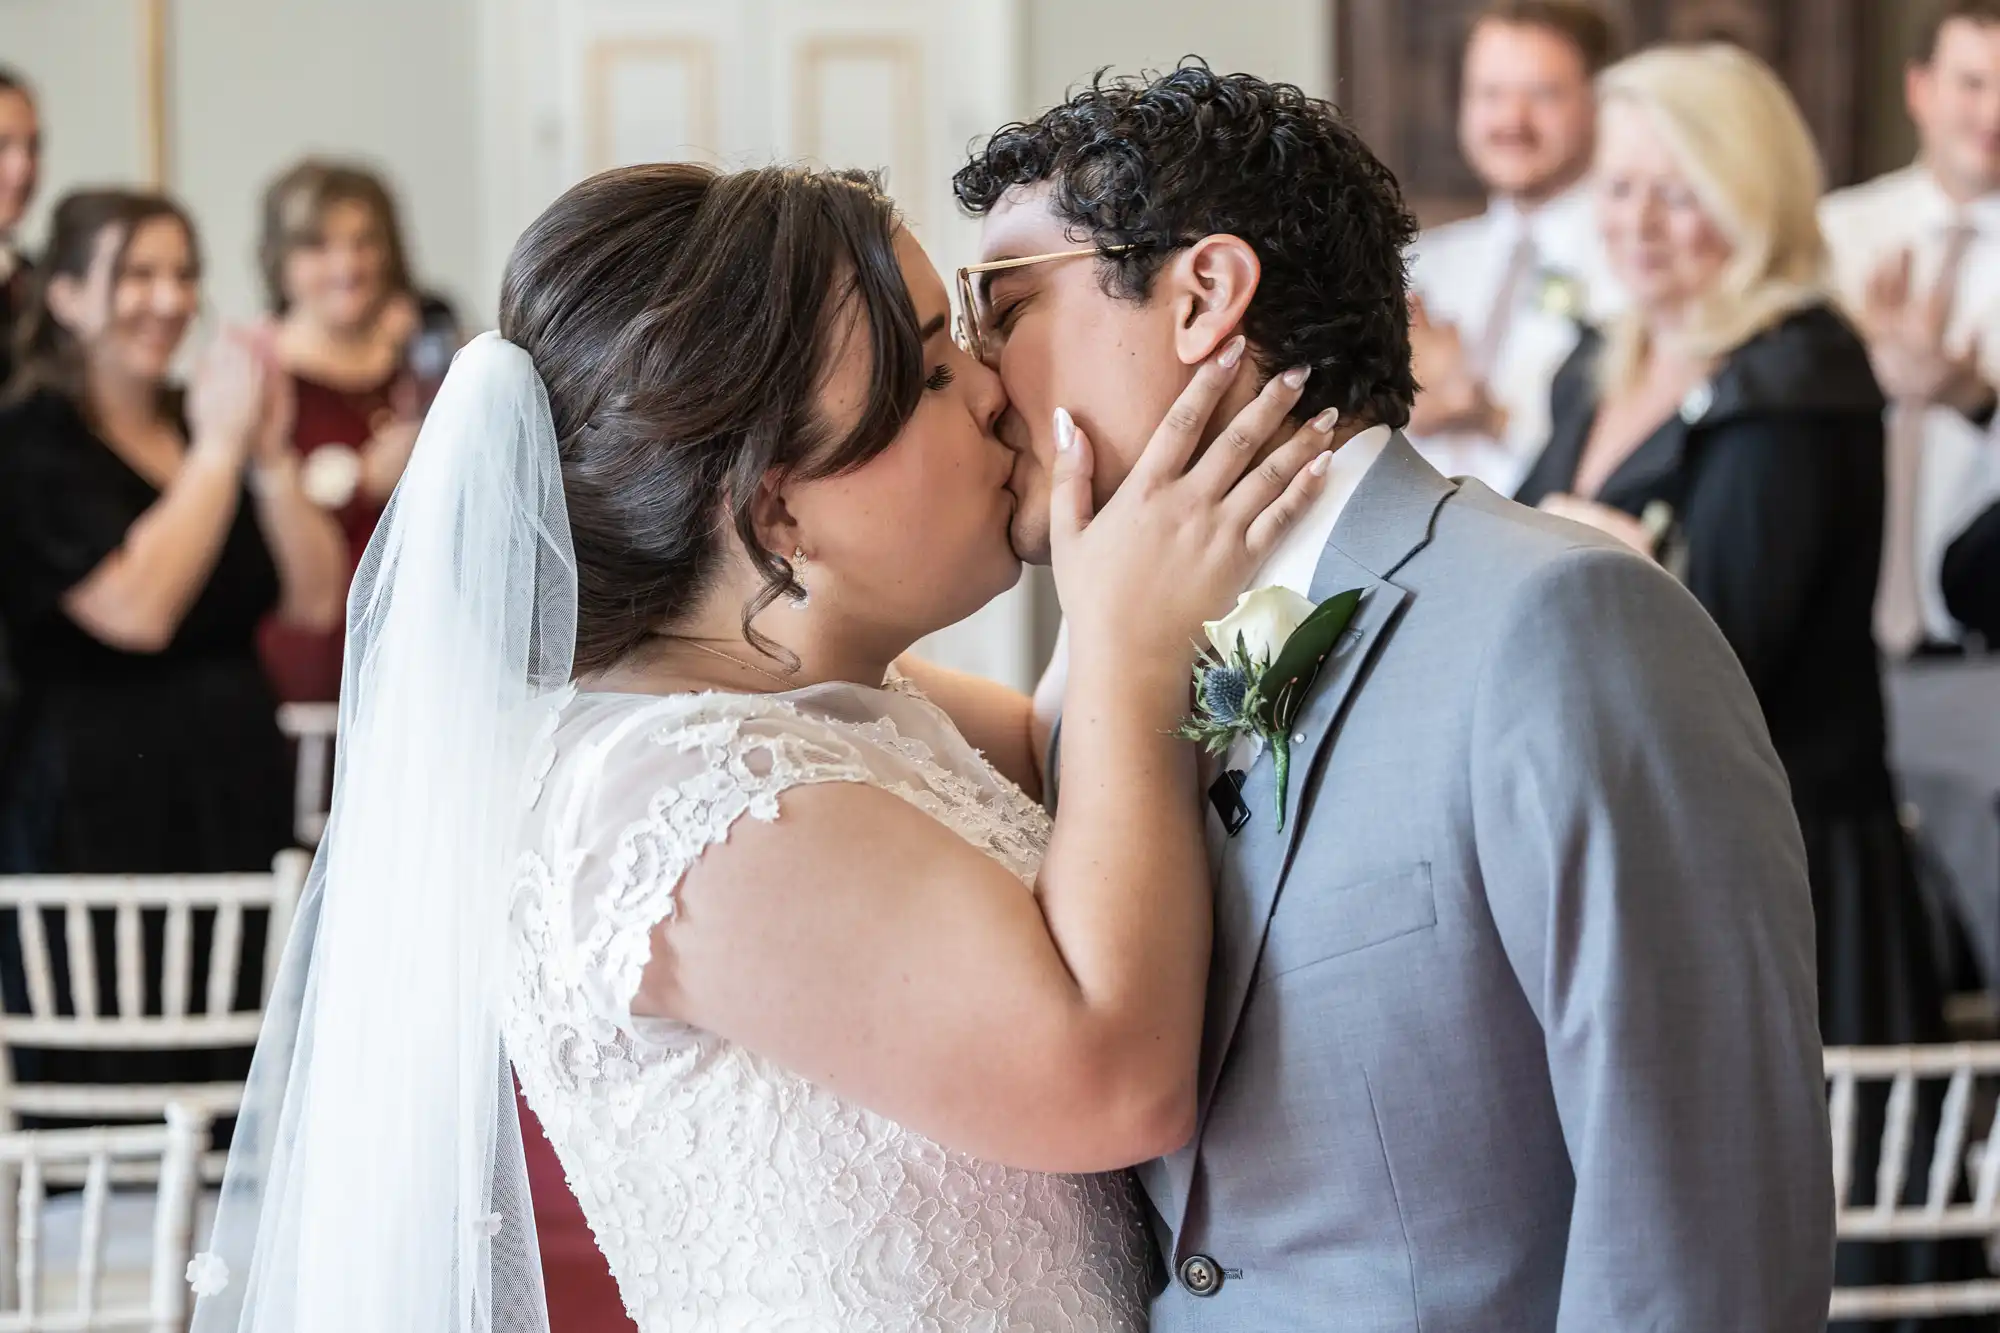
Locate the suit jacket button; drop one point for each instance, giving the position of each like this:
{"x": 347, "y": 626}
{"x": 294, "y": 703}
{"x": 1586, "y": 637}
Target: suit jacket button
{"x": 1201, "y": 1275}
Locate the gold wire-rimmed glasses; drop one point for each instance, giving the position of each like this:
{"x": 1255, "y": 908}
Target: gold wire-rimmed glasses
{"x": 968, "y": 328}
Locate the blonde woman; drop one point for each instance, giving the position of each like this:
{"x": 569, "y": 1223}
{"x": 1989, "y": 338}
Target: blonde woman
{"x": 1731, "y": 427}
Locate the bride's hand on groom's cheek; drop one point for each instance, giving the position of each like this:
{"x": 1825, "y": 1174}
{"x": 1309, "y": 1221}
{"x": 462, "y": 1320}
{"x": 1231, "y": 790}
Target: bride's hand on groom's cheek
{"x": 1179, "y": 540}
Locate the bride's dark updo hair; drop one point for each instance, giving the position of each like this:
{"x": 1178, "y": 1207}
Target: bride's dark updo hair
{"x": 683, "y": 320}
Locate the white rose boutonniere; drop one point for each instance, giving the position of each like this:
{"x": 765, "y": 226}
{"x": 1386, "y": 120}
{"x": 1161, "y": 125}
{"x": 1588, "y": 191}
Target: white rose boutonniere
{"x": 1262, "y": 620}
{"x": 1561, "y": 295}
{"x": 1267, "y": 653}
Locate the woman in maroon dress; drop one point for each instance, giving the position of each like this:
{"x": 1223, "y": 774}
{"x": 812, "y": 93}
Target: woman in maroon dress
{"x": 339, "y": 288}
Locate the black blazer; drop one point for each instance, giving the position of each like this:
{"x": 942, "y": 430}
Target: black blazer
{"x": 15, "y": 293}
{"x": 1774, "y": 472}
{"x": 1971, "y": 577}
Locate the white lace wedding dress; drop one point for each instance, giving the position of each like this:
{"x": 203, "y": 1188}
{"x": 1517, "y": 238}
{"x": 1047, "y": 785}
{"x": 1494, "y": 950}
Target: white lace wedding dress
{"x": 728, "y": 1193}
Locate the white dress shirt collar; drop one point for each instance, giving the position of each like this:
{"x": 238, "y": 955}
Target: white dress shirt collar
{"x": 1552, "y": 223}
{"x": 1296, "y": 559}
{"x": 1931, "y": 208}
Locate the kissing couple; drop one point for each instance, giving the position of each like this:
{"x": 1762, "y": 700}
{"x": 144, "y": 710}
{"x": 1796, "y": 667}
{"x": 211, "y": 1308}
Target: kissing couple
{"x": 1463, "y": 979}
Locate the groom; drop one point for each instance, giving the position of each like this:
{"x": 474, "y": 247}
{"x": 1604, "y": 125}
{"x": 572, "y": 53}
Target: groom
{"x": 1511, "y": 1024}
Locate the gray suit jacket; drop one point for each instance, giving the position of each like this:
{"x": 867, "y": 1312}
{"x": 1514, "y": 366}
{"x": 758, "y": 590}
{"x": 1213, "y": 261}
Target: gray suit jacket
{"x": 1514, "y": 1027}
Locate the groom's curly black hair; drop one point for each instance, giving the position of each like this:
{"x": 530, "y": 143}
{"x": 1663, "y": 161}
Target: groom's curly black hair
{"x": 1158, "y": 162}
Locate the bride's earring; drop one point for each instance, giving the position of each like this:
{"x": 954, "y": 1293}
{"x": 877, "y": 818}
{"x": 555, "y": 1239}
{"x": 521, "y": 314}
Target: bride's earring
{"x": 803, "y": 597}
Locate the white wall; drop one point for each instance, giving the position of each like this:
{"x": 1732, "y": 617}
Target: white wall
{"x": 255, "y": 84}
{"x": 1060, "y": 43}
{"x": 392, "y": 82}
{"x": 86, "y": 64}
{"x": 1068, "y": 40}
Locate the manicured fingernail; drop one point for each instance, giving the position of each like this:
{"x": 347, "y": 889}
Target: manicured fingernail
{"x": 1065, "y": 431}
{"x": 1319, "y": 465}
{"x": 1296, "y": 376}
{"x": 1326, "y": 421}
{"x": 1232, "y": 352}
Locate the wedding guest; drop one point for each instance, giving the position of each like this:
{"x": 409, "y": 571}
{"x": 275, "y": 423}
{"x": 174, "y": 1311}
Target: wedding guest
{"x": 1917, "y": 259}
{"x": 20, "y": 168}
{"x": 337, "y": 279}
{"x": 1501, "y": 294}
{"x": 20, "y": 165}
{"x": 1728, "y": 424}
{"x": 144, "y": 534}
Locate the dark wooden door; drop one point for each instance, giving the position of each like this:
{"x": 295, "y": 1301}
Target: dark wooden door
{"x": 1397, "y": 65}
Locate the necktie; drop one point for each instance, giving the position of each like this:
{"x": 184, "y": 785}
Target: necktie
{"x": 1521, "y": 262}
{"x": 1899, "y": 602}
{"x": 1958, "y": 238}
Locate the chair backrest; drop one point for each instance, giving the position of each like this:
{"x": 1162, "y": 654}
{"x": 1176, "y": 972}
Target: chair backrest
{"x": 1961, "y": 1179}
{"x": 28, "y": 1161}
{"x": 34, "y": 901}
{"x": 312, "y": 727}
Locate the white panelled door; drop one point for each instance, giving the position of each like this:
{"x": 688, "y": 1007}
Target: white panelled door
{"x": 902, "y": 86}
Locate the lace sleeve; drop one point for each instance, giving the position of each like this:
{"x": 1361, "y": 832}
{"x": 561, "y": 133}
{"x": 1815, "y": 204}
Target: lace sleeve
{"x": 648, "y": 794}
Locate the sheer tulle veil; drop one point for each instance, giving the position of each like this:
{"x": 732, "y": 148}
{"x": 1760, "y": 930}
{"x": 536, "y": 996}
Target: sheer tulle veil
{"x": 376, "y": 1180}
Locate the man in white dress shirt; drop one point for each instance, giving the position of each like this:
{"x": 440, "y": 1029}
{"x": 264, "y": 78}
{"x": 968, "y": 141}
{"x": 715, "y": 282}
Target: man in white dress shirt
{"x": 1917, "y": 259}
{"x": 1500, "y": 294}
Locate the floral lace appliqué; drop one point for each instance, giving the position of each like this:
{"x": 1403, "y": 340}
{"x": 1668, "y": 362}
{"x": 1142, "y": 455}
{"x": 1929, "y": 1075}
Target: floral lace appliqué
{"x": 729, "y": 1193}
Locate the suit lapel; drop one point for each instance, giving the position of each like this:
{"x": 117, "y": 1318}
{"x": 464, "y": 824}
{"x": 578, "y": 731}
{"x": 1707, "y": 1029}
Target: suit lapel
{"x": 1254, "y": 863}
{"x": 1387, "y": 520}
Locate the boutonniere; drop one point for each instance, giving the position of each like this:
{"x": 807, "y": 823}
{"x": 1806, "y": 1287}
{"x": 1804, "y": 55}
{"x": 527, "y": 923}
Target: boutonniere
{"x": 1266, "y": 655}
{"x": 1561, "y": 295}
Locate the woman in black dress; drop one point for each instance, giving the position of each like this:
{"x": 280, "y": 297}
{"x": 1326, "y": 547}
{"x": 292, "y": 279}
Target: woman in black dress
{"x": 141, "y": 542}
{"x": 1729, "y": 424}
{"x": 20, "y": 168}
{"x": 1971, "y": 577}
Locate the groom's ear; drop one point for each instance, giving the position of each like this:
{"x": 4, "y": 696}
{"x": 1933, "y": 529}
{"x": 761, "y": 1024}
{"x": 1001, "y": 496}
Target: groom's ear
{"x": 1210, "y": 285}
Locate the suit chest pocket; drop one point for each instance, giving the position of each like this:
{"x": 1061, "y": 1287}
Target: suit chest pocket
{"x": 1315, "y": 924}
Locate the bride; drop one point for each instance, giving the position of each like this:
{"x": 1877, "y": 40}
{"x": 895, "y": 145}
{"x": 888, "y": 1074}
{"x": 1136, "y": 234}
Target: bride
{"x": 637, "y": 791}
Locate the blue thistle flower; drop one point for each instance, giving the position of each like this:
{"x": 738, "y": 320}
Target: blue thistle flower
{"x": 1222, "y": 692}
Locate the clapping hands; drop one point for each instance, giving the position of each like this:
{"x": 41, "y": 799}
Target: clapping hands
{"x": 226, "y": 402}
{"x": 1454, "y": 396}
{"x": 1611, "y": 522}
{"x": 1907, "y": 333}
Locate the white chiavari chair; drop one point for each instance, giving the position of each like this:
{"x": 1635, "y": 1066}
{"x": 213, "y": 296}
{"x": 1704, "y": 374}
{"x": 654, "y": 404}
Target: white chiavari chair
{"x": 54, "y": 1274}
{"x": 1961, "y": 1181}
{"x": 181, "y": 1025}
{"x": 311, "y": 727}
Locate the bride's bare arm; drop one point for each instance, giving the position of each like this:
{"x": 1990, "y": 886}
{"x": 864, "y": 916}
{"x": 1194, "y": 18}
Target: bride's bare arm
{"x": 866, "y": 946}
{"x": 863, "y": 944}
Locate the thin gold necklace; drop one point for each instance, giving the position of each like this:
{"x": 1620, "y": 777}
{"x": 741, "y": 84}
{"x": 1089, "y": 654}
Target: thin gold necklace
{"x": 738, "y": 662}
